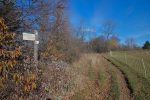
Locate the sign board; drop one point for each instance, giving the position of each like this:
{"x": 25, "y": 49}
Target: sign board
{"x": 28, "y": 36}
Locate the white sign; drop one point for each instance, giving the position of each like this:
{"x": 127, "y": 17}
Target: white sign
{"x": 28, "y": 36}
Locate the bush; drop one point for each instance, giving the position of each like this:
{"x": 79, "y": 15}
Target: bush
{"x": 15, "y": 80}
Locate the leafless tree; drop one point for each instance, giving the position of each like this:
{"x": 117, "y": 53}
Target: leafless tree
{"x": 80, "y": 33}
{"x": 130, "y": 42}
{"x": 108, "y": 28}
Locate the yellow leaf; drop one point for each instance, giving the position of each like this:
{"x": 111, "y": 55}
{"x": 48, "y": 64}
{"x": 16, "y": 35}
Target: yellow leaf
{"x": 20, "y": 98}
{"x": 33, "y": 86}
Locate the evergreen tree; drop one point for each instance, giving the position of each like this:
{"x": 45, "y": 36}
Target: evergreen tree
{"x": 146, "y": 45}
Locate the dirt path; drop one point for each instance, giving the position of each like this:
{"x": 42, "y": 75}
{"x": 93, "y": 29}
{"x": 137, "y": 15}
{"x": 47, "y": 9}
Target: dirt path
{"x": 123, "y": 86}
{"x": 93, "y": 75}
{"x": 93, "y": 82}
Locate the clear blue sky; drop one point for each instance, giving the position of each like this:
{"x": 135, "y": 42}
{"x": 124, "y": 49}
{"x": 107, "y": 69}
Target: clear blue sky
{"x": 132, "y": 17}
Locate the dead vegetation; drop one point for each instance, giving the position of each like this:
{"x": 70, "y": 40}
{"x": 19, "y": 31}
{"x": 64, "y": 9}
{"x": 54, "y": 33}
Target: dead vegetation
{"x": 92, "y": 82}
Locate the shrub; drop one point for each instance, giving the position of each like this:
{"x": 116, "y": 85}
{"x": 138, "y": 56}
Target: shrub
{"x": 15, "y": 80}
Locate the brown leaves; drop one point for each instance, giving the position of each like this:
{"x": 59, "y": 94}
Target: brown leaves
{"x": 10, "y": 54}
{"x": 52, "y": 50}
{"x": 16, "y": 77}
{"x": 27, "y": 81}
{"x": 10, "y": 69}
{"x": 113, "y": 43}
{"x": 8, "y": 63}
{"x": 3, "y": 27}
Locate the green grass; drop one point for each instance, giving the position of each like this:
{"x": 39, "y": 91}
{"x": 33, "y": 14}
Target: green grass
{"x": 134, "y": 60}
{"x": 139, "y": 85}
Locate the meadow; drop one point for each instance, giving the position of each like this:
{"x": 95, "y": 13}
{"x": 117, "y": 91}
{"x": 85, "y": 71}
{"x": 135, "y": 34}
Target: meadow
{"x": 135, "y": 65}
{"x": 138, "y": 60}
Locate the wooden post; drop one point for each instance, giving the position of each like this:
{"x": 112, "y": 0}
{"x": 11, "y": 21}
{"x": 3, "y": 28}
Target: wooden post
{"x": 36, "y": 49}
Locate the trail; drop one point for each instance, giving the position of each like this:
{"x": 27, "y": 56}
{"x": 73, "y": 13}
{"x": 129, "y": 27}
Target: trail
{"x": 124, "y": 91}
{"x": 93, "y": 80}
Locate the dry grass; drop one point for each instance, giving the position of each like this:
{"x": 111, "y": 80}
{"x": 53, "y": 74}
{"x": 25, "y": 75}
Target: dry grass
{"x": 89, "y": 78}
{"x": 92, "y": 82}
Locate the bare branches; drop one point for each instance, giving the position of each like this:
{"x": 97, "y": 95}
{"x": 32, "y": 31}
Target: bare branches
{"x": 108, "y": 28}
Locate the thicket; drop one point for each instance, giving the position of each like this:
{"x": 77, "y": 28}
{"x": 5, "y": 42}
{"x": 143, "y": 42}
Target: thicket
{"x": 12, "y": 14}
{"x": 16, "y": 79}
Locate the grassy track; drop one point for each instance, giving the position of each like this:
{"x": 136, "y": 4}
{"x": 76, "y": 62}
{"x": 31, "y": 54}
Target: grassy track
{"x": 140, "y": 86}
{"x": 94, "y": 79}
{"x": 114, "y": 92}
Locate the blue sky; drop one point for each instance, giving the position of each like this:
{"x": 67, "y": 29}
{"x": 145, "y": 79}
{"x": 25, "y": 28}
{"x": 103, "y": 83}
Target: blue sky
{"x": 132, "y": 17}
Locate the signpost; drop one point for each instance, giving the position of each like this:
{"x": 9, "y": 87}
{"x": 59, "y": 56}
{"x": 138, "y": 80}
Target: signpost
{"x": 33, "y": 37}
{"x": 28, "y": 36}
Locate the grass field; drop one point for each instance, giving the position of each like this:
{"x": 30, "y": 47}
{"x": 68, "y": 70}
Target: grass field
{"x": 136, "y": 67}
{"x": 139, "y": 61}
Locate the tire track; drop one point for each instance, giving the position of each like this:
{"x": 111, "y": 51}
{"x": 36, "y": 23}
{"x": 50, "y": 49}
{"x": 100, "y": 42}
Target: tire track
{"x": 124, "y": 87}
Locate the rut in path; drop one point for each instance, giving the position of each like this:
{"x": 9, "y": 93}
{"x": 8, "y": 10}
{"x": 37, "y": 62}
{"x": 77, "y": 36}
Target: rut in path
{"x": 93, "y": 80}
{"x": 124, "y": 91}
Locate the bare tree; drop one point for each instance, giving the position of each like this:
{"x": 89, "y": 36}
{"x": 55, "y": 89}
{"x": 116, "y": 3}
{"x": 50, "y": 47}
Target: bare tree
{"x": 108, "y": 28}
{"x": 130, "y": 42}
{"x": 80, "y": 34}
